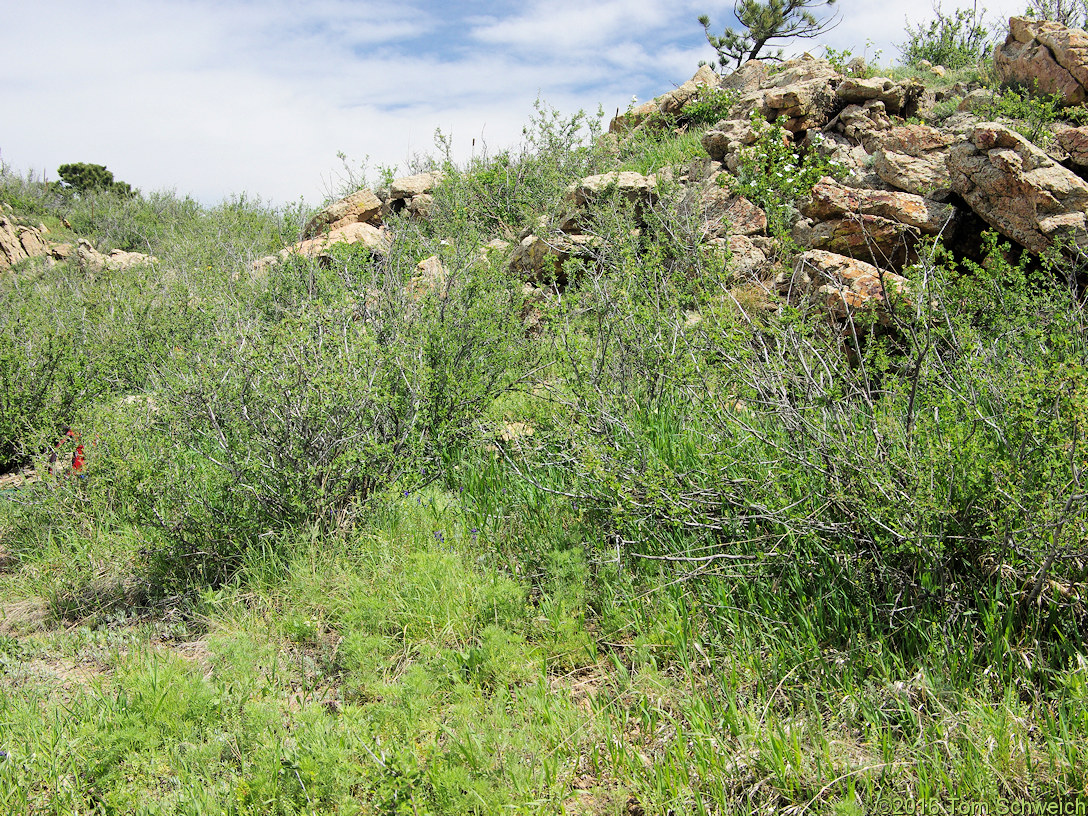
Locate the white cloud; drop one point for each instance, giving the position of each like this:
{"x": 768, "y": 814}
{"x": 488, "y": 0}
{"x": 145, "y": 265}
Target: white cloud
{"x": 564, "y": 25}
{"x": 217, "y": 97}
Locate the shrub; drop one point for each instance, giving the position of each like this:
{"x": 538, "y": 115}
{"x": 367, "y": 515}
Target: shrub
{"x": 300, "y": 411}
{"x": 68, "y": 340}
{"x": 1072, "y": 13}
{"x": 775, "y": 175}
{"x": 952, "y": 41}
{"x": 25, "y": 194}
{"x": 502, "y": 193}
{"x": 920, "y": 453}
{"x": 709, "y": 107}
{"x": 43, "y": 375}
{"x": 1032, "y": 112}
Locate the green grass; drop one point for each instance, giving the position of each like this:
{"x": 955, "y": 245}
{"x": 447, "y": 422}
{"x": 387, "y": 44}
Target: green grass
{"x": 648, "y": 151}
{"x": 385, "y": 667}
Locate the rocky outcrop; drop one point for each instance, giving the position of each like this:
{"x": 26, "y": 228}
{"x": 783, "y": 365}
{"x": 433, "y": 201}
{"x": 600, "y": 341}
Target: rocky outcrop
{"x": 1074, "y": 143}
{"x": 802, "y": 92}
{"x": 1019, "y": 190}
{"x": 878, "y": 226}
{"x": 431, "y": 276}
{"x": 539, "y": 259}
{"x": 914, "y": 158}
{"x": 19, "y": 242}
{"x": 411, "y": 193}
{"x": 668, "y": 103}
{"x": 359, "y": 207}
{"x": 357, "y": 219}
{"x": 1046, "y": 56}
{"x": 729, "y": 214}
{"x": 829, "y": 199}
{"x": 842, "y": 285}
{"x": 899, "y": 185}
{"x": 92, "y": 261}
{"x": 727, "y": 138}
{"x": 366, "y": 235}
{"x": 898, "y": 98}
{"x": 863, "y": 122}
{"x": 633, "y": 187}
{"x": 745, "y": 257}
{"x": 808, "y": 93}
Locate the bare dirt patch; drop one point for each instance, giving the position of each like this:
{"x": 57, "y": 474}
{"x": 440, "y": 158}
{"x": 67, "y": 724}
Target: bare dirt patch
{"x": 25, "y": 617}
{"x": 195, "y": 652}
{"x": 18, "y": 478}
{"x": 66, "y": 672}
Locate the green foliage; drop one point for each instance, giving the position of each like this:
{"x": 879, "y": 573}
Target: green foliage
{"x": 649, "y": 149}
{"x": 85, "y": 178}
{"x": 709, "y": 107}
{"x": 25, "y": 194}
{"x": 1032, "y": 112}
{"x": 765, "y": 22}
{"x": 1072, "y": 13}
{"x": 958, "y": 414}
{"x": 953, "y": 41}
{"x": 67, "y": 342}
{"x": 299, "y": 412}
{"x": 775, "y": 175}
{"x": 841, "y": 60}
{"x": 674, "y": 139}
{"x": 502, "y": 193}
{"x": 838, "y": 58}
{"x": 350, "y": 541}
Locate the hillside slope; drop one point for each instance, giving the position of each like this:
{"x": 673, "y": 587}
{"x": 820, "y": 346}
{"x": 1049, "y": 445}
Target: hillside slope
{"x": 728, "y": 460}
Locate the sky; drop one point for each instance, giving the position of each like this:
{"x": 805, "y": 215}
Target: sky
{"x": 217, "y": 98}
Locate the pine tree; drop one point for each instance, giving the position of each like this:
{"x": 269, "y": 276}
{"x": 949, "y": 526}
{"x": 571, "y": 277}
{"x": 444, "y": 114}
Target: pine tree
{"x": 764, "y": 22}
{"x": 83, "y": 178}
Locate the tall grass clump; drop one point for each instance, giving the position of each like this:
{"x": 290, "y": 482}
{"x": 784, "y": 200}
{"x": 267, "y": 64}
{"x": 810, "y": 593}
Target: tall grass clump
{"x": 499, "y": 194}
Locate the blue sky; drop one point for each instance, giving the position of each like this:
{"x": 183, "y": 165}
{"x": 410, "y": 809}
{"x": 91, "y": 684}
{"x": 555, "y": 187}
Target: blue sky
{"x": 217, "y": 97}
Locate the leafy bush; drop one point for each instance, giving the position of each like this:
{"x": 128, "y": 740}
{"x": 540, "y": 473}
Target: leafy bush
{"x": 709, "y": 107}
{"x": 25, "y": 194}
{"x": 1032, "y": 112}
{"x": 501, "y": 194}
{"x": 775, "y": 175}
{"x": 43, "y": 375}
{"x": 299, "y": 412}
{"x": 1072, "y": 13}
{"x": 919, "y": 453}
{"x": 67, "y": 341}
{"x": 952, "y": 41}
{"x": 844, "y": 61}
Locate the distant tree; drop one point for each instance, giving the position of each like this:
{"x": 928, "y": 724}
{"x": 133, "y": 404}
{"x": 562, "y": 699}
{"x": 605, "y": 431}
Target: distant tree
{"x": 85, "y": 178}
{"x": 764, "y": 22}
{"x": 954, "y": 41}
{"x": 1072, "y": 13}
